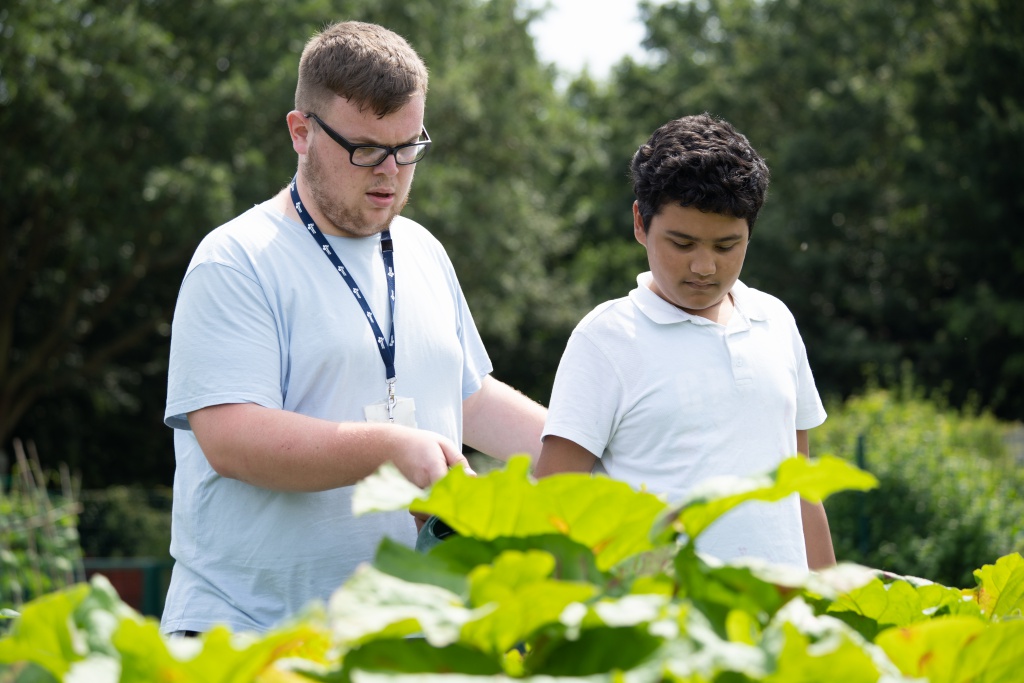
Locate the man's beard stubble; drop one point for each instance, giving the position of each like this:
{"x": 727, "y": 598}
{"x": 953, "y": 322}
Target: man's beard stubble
{"x": 340, "y": 216}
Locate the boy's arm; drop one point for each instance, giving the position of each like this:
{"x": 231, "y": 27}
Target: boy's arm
{"x": 562, "y": 455}
{"x": 817, "y": 537}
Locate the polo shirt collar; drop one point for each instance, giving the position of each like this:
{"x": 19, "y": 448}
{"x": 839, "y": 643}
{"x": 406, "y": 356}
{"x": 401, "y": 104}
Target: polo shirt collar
{"x": 664, "y": 313}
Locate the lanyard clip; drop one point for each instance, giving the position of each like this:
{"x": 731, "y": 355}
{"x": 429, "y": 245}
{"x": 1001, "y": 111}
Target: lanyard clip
{"x": 392, "y": 401}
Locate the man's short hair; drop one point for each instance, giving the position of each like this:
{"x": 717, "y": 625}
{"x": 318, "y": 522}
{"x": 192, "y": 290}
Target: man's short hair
{"x": 367, "y": 64}
{"x": 703, "y": 162}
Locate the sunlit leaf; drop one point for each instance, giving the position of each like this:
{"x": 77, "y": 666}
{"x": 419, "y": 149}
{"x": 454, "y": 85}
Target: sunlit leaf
{"x": 900, "y": 604}
{"x": 958, "y": 650}
{"x": 507, "y": 503}
{"x": 373, "y": 604}
{"x": 522, "y": 598}
{"x": 383, "y": 491}
{"x": 812, "y": 479}
{"x": 43, "y": 634}
{"x": 1001, "y": 587}
{"x": 802, "y": 660}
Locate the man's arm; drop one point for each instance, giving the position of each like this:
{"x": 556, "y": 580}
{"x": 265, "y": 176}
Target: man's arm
{"x": 817, "y": 537}
{"x": 501, "y": 422}
{"x": 562, "y": 455}
{"x": 286, "y": 451}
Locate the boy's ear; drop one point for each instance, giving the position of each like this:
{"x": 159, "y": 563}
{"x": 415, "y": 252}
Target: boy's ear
{"x": 638, "y": 225}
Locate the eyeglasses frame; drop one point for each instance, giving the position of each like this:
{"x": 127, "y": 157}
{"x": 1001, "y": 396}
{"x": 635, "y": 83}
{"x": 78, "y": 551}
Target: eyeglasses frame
{"x": 351, "y": 148}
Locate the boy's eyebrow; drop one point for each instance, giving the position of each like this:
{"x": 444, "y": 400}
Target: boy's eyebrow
{"x": 689, "y": 238}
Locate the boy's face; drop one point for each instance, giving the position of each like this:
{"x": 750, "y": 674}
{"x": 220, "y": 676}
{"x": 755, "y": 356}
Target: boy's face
{"x": 695, "y": 257}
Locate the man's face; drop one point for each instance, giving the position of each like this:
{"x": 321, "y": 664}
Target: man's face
{"x": 359, "y": 201}
{"x": 695, "y": 257}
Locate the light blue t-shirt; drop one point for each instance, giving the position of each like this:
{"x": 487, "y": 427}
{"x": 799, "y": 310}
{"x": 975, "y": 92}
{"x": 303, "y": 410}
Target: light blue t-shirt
{"x": 263, "y": 317}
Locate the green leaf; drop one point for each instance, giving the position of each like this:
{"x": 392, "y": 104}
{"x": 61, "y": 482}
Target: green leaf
{"x": 409, "y": 565}
{"x": 42, "y": 635}
{"x": 803, "y": 660}
{"x": 415, "y": 655}
{"x": 373, "y": 605}
{"x": 899, "y": 604}
{"x": 573, "y": 561}
{"x": 595, "y": 651}
{"x": 521, "y": 599}
{"x": 385, "y": 490}
{"x": 26, "y": 672}
{"x": 506, "y": 503}
{"x": 957, "y": 650}
{"x": 217, "y": 656}
{"x": 813, "y": 479}
{"x": 1001, "y": 587}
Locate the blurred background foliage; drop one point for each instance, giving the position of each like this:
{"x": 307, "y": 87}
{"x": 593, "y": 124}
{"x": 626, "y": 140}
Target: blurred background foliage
{"x": 951, "y": 489}
{"x": 893, "y": 128}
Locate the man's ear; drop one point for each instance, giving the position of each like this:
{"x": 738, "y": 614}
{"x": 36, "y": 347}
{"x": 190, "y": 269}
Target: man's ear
{"x": 638, "y": 225}
{"x": 298, "y": 128}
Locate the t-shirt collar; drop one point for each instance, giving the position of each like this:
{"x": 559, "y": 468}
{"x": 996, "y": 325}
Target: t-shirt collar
{"x": 664, "y": 313}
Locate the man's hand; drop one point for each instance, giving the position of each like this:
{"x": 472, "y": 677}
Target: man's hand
{"x": 425, "y": 457}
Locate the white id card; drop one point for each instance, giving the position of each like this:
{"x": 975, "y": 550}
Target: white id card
{"x": 404, "y": 412}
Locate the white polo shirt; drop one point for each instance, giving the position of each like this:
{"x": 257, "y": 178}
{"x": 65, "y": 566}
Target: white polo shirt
{"x": 667, "y": 399}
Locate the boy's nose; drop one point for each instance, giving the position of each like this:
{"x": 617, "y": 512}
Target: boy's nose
{"x": 703, "y": 264}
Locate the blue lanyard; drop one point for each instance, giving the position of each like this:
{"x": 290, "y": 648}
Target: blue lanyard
{"x": 386, "y": 346}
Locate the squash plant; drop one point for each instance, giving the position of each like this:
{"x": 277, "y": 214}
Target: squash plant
{"x": 568, "y": 578}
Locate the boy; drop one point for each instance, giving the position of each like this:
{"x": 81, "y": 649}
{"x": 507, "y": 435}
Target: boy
{"x": 694, "y": 374}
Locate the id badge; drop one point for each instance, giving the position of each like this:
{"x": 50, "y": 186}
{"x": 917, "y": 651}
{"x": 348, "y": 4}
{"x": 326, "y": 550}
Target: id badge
{"x": 404, "y": 412}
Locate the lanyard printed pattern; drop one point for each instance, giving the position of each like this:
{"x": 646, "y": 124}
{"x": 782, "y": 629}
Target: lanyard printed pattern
{"x": 386, "y": 345}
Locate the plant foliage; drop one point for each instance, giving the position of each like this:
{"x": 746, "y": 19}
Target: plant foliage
{"x": 950, "y": 494}
{"x": 570, "y": 578}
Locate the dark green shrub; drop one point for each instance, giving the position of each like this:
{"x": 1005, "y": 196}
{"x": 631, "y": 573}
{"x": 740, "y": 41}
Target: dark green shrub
{"x": 126, "y": 521}
{"x": 950, "y": 493}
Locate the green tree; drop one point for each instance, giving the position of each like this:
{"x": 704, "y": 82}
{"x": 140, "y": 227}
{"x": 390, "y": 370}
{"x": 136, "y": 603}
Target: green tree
{"x": 132, "y": 128}
{"x": 892, "y": 130}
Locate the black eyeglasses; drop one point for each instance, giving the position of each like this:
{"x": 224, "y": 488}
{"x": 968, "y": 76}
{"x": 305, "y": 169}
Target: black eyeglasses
{"x": 374, "y": 155}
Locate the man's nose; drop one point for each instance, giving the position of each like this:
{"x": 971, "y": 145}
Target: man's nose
{"x": 388, "y": 167}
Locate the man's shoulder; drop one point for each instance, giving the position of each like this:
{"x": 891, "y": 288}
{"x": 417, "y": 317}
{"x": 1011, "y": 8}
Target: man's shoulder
{"x": 406, "y": 228}
{"x": 243, "y": 238}
{"x": 253, "y": 225}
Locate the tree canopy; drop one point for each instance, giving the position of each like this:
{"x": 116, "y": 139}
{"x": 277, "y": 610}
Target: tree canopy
{"x": 133, "y": 127}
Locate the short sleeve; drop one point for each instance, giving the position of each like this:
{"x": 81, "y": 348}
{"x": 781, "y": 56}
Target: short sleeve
{"x": 585, "y": 397}
{"x": 810, "y": 412}
{"x": 225, "y": 344}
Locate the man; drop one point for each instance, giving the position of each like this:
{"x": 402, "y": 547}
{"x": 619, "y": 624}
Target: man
{"x": 694, "y": 374}
{"x": 316, "y": 337}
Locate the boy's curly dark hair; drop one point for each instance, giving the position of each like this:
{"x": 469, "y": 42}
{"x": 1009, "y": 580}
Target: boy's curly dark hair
{"x": 703, "y": 162}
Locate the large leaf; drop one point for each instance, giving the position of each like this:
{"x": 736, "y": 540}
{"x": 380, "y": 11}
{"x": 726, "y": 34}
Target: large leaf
{"x": 373, "y": 605}
{"x": 604, "y": 515}
{"x": 415, "y": 655}
{"x": 812, "y": 479}
{"x": 43, "y": 634}
{"x": 899, "y": 603}
{"x": 217, "y": 656}
{"x": 1001, "y": 587}
{"x": 409, "y": 565}
{"x": 958, "y": 650}
{"x": 523, "y": 597}
{"x": 595, "y": 651}
{"x": 385, "y": 490}
{"x": 803, "y": 660}
{"x": 573, "y": 561}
